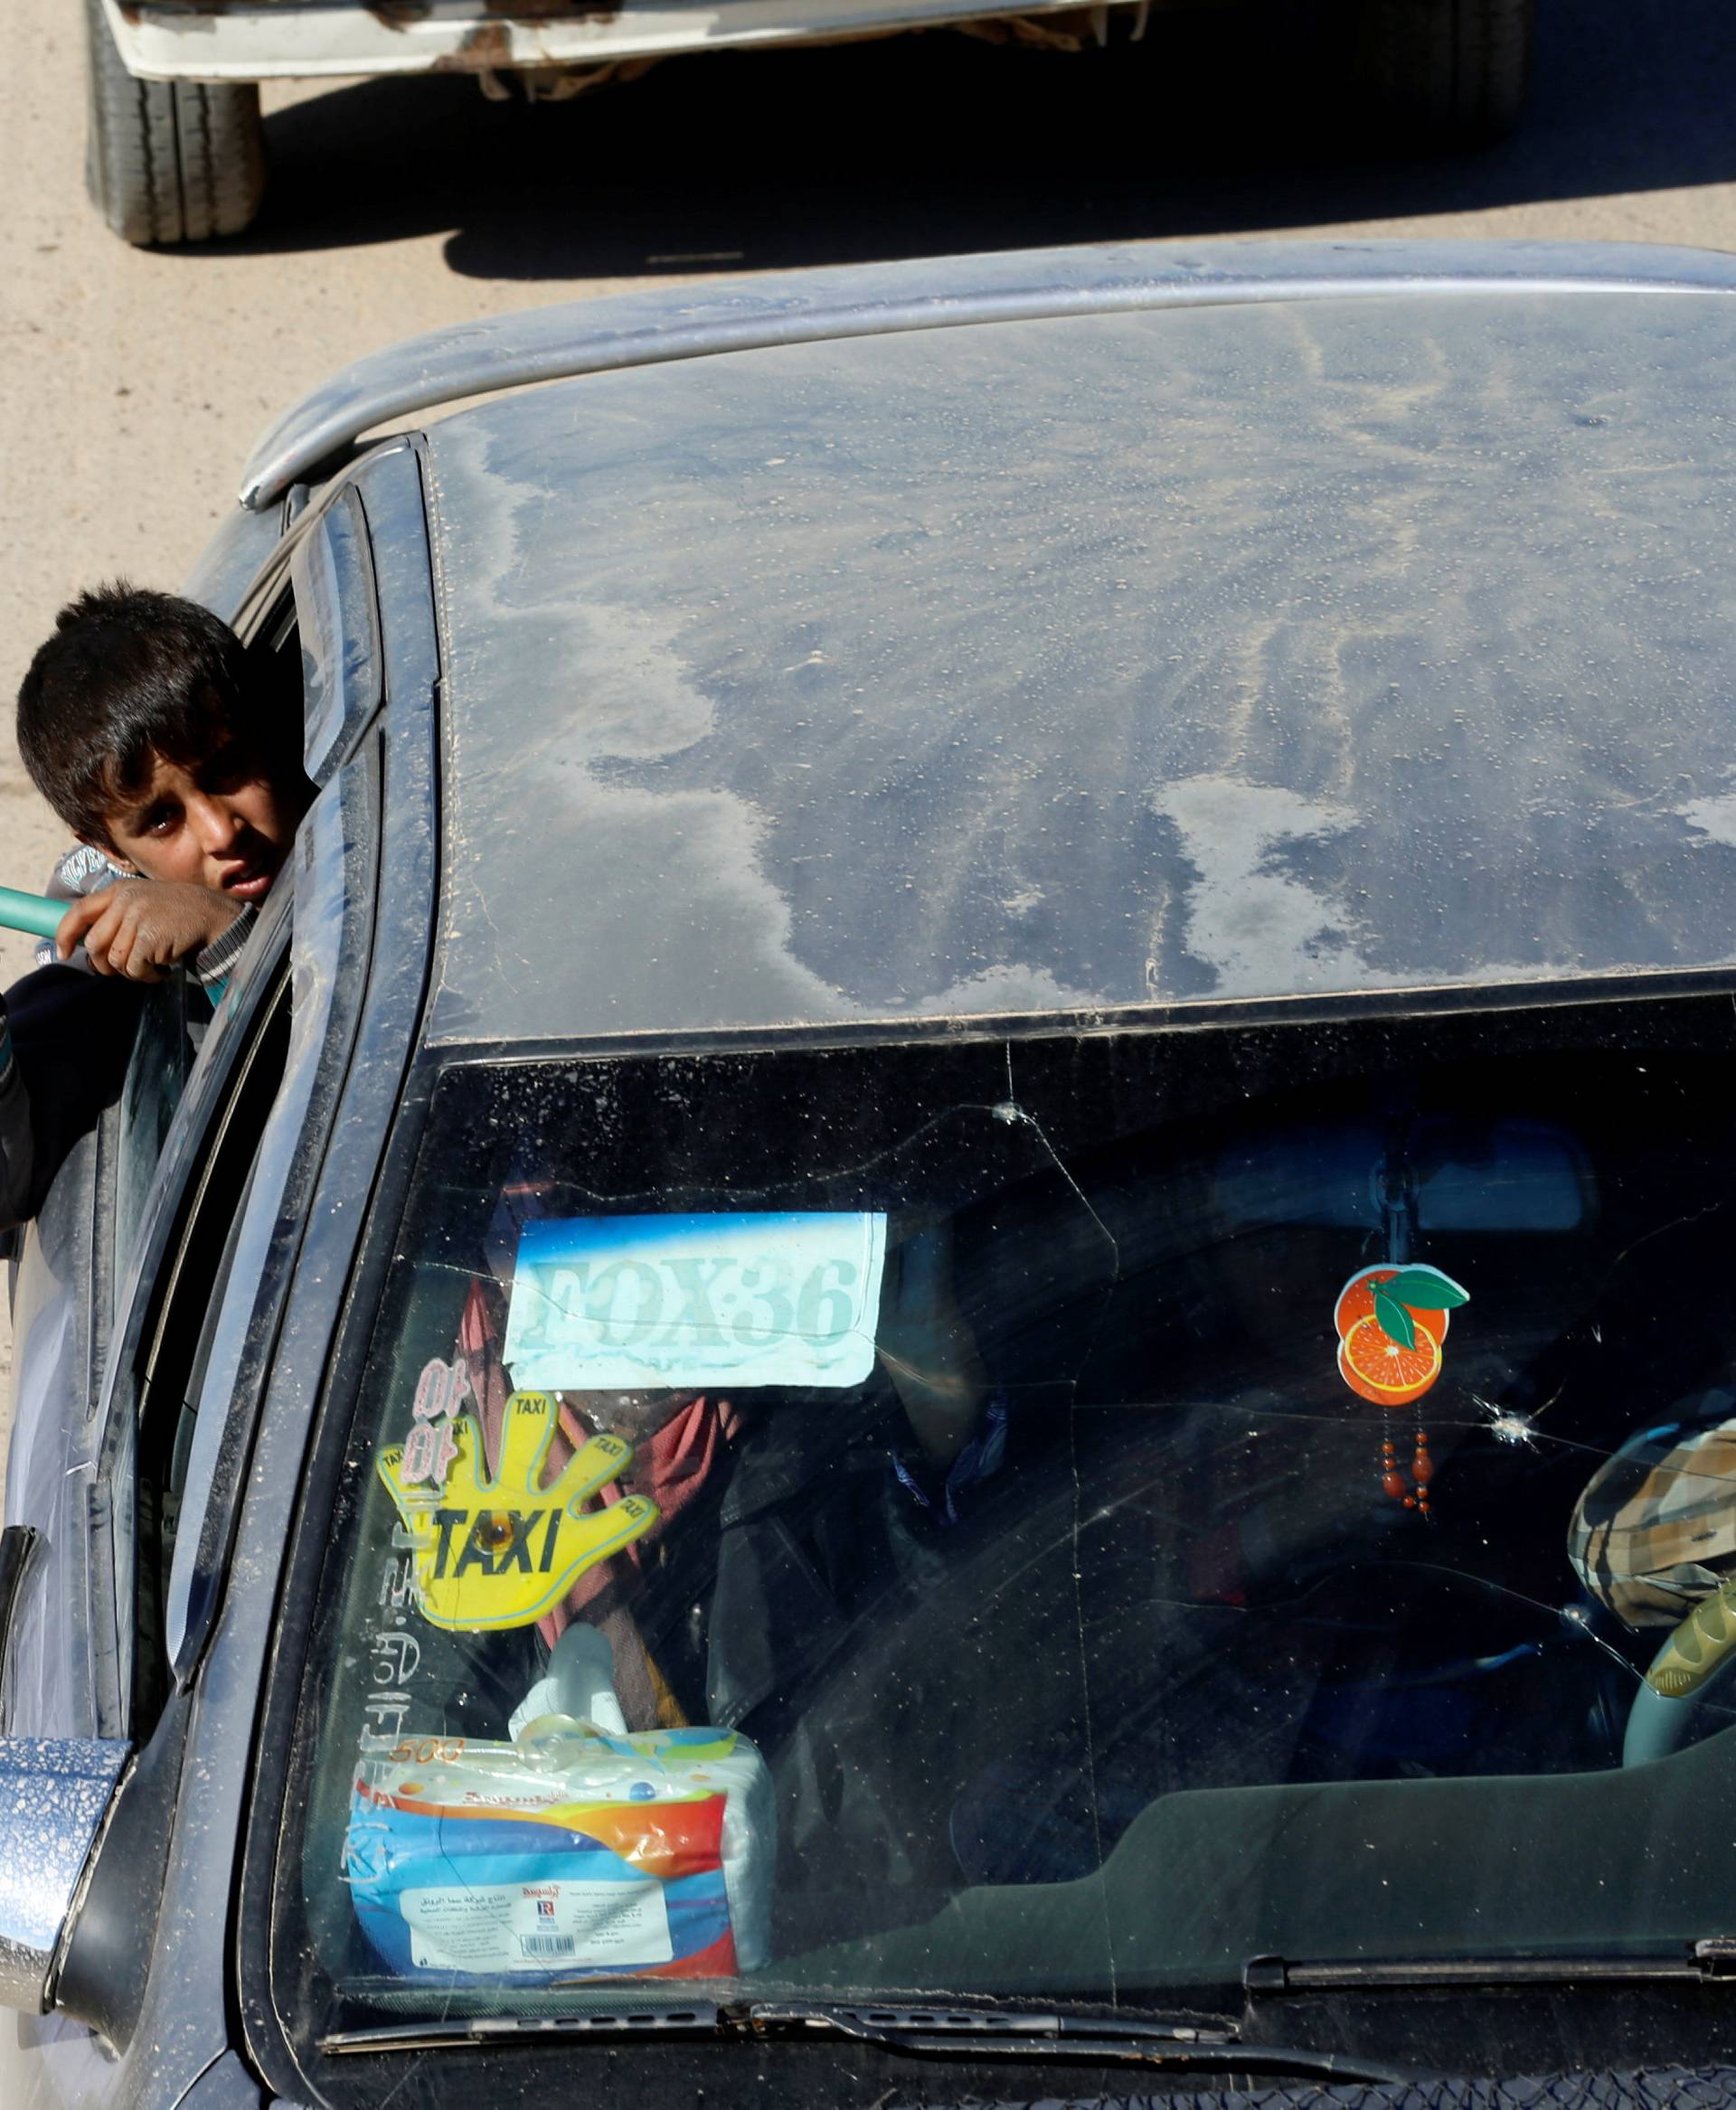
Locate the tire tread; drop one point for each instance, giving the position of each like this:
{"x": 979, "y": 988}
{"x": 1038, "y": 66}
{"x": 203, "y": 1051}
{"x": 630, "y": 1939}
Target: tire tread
{"x": 169, "y": 161}
{"x": 1457, "y": 69}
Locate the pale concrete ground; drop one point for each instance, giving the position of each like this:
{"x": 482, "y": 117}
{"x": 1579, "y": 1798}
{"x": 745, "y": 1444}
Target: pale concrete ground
{"x": 132, "y": 382}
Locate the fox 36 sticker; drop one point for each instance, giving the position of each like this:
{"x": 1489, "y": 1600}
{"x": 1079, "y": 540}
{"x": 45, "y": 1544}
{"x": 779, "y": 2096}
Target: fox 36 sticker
{"x": 624, "y": 1301}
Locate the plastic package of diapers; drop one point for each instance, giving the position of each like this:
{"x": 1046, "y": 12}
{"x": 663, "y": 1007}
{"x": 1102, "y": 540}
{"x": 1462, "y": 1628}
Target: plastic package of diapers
{"x": 576, "y": 1851}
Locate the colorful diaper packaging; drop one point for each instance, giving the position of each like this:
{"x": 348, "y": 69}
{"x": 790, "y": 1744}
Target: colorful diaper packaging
{"x": 574, "y": 1854}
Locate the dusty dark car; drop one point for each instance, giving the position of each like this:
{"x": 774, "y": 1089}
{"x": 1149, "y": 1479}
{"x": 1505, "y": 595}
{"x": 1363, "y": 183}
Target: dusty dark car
{"x": 945, "y": 1312}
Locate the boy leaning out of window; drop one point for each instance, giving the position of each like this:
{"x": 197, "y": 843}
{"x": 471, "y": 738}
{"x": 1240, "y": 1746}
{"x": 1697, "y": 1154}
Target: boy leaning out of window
{"x": 138, "y": 723}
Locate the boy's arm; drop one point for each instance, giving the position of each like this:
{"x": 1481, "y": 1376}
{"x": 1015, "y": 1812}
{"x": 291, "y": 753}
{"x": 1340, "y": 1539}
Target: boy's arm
{"x": 142, "y": 928}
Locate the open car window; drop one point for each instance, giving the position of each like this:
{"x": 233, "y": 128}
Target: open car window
{"x": 165, "y": 1385}
{"x": 1064, "y": 1517}
{"x": 173, "y": 1016}
{"x": 216, "y": 1240}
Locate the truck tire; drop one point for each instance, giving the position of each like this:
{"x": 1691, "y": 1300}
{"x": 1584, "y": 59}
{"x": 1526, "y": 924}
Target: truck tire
{"x": 1455, "y": 71}
{"x": 167, "y": 161}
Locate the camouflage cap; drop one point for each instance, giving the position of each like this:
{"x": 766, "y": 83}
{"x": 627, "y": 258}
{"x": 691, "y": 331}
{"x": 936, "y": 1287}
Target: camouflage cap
{"x": 1656, "y": 1529}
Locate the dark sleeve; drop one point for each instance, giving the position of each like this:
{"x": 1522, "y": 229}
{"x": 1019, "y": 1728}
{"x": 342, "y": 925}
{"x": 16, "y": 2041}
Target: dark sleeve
{"x": 212, "y": 968}
{"x": 16, "y": 1155}
{"x": 68, "y": 1040}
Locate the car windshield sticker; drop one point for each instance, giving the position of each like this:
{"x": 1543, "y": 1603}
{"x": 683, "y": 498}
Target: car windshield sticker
{"x": 501, "y": 1551}
{"x": 608, "y": 1303}
{"x": 430, "y": 1446}
{"x": 1391, "y": 1323}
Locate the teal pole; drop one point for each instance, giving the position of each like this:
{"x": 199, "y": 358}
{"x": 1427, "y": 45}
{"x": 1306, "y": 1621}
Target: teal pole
{"x": 32, "y": 912}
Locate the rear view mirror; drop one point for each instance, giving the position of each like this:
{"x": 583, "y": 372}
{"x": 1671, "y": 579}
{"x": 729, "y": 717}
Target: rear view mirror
{"x": 54, "y": 1793}
{"x": 1500, "y": 1176}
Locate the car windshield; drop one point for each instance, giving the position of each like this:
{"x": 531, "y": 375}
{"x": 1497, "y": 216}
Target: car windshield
{"x": 1060, "y": 1516}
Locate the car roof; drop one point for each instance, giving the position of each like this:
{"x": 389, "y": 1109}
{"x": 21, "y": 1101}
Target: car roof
{"x": 1142, "y": 659}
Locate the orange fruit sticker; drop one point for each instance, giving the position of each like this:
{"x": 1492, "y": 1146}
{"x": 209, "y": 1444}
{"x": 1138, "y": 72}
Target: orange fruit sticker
{"x": 1382, "y": 1369}
{"x": 1356, "y": 1300}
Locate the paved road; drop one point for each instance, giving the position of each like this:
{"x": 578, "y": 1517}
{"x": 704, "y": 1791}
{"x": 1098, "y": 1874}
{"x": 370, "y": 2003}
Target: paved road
{"x": 131, "y": 383}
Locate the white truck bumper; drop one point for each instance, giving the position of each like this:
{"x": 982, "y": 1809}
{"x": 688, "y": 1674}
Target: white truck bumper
{"x": 263, "y": 40}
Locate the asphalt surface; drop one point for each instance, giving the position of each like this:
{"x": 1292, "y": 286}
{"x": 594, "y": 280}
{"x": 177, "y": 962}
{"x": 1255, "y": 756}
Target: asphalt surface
{"x": 132, "y": 382}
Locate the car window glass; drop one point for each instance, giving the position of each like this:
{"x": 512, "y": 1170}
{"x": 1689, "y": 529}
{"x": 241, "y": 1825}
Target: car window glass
{"x": 196, "y": 1277}
{"x": 1060, "y": 1518}
{"x": 334, "y": 855}
{"x": 156, "y": 1077}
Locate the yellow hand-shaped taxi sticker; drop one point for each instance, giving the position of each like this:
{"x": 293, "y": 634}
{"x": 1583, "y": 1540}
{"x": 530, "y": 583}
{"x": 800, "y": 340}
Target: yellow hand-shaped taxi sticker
{"x": 503, "y": 1551}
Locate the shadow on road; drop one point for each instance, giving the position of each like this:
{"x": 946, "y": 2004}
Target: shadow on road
{"x": 1217, "y": 123}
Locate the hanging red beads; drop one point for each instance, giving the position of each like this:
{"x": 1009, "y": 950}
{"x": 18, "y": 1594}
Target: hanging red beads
{"x": 1415, "y": 1494}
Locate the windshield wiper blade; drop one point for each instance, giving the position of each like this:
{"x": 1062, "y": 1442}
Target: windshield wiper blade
{"x": 689, "y": 2019}
{"x": 1019, "y": 2033}
{"x": 878, "y": 2019}
{"x": 875, "y": 2024}
{"x": 957, "y": 2032}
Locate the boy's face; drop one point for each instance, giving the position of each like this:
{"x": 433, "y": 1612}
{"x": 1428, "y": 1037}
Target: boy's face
{"x": 217, "y": 824}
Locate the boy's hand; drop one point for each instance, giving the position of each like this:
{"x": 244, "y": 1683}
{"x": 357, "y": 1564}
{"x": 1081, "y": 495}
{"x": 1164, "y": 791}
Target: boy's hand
{"x": 143, "y": 927}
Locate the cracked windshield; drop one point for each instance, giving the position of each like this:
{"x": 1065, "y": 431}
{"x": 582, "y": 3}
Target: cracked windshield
{"x": 1064, "y": 1515}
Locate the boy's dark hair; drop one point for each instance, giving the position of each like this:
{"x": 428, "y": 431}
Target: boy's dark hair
{"x": 127, "y": 674}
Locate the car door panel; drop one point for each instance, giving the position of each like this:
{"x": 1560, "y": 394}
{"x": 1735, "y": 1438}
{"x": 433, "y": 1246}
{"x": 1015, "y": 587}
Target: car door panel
{"x": 49, "y": 1462}
{"x": 71, "y": 1256}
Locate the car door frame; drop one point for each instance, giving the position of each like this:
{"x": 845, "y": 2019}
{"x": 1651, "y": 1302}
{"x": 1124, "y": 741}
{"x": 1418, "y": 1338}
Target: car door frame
{"x": 64, "y": 1284}
{"x": 77, "y": 1557}
{"x": 210, "y": 1740}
